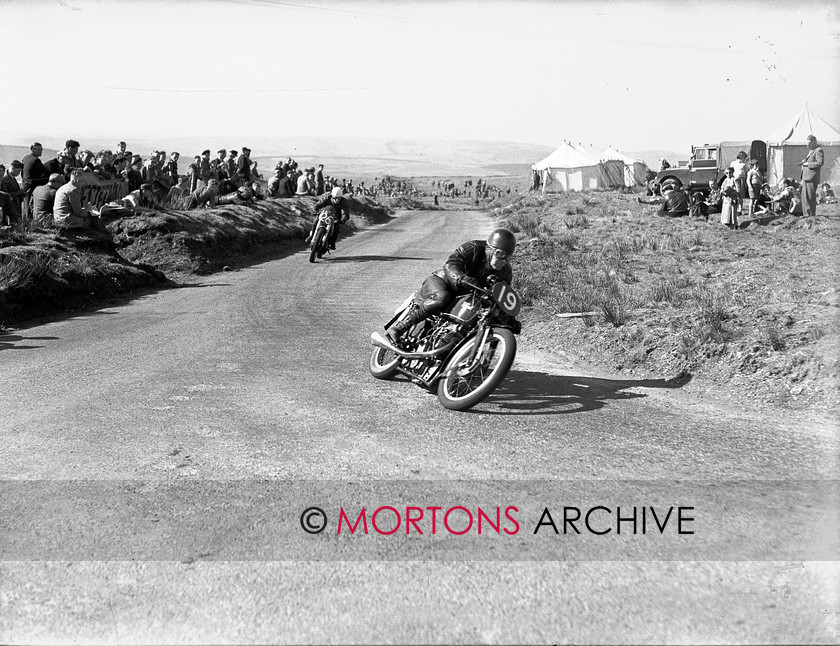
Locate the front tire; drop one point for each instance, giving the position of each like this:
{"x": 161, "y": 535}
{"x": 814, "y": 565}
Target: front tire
{"x": 462, "y": 391}
{"x": 316, "y": 245}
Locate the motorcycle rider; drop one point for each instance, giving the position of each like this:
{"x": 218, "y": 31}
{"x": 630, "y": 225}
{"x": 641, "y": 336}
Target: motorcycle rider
{"x": 337, "y": 200}
{"x": 476, "y": 263}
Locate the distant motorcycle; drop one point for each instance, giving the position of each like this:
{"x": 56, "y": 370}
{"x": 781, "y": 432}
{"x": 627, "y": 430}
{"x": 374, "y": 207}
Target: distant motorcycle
{"x": 464, "y": 352}
{"x": 320, "y": 243}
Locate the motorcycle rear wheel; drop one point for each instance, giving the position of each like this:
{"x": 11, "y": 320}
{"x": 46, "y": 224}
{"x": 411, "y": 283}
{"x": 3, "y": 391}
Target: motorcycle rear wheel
{"x": 462, "y": 391}
{"x": 316, "y": 245}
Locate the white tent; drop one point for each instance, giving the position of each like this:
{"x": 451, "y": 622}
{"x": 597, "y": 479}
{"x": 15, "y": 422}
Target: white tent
{"x": 635, "y": 170}
{"x": 572, "y": 168}
{"x": 786, "y": 147}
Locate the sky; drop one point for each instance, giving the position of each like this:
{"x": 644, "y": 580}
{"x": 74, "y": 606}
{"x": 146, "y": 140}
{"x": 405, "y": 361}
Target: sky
{"x": 635, "y": 76}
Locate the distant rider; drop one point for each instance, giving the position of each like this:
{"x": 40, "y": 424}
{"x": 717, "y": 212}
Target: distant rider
{"x": 477, "y": 263}
{"x": 336, "y": 200}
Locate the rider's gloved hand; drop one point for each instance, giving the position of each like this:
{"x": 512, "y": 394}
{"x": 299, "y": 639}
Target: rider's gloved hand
{"x": 469, "y": 282}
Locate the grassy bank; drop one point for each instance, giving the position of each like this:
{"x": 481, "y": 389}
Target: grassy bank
{"x": 43, "y": 272}
{"x": 752, "y": 313}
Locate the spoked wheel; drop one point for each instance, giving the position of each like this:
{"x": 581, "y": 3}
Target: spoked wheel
{"x": 316, "y": 245}
{"x": 383, "y": 363}
{"x": 463, "y": 386}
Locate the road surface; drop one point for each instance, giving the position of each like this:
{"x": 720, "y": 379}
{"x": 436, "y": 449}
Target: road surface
{"x": 147, "y": 449}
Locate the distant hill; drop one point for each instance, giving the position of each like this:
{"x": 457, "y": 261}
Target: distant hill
{"x": 8, "y": 153}
{"x": 348, "y": 155}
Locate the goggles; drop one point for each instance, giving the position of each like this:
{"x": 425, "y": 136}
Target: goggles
{"x": 498, "y": 253}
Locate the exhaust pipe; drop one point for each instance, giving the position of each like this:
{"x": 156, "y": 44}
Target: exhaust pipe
{"x": 381, "y": 341}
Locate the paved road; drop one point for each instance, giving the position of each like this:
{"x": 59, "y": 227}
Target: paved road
{"x": 205, "y": 405}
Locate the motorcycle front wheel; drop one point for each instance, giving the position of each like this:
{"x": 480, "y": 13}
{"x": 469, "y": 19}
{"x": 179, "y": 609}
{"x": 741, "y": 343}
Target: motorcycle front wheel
{"x": 461, "y": 388}
{"x": 383, "y": 363}
{"x": 316, "y": 245}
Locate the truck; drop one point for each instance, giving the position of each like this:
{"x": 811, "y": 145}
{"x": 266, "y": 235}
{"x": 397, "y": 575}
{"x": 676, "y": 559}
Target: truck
{"x": 709, "y": 162}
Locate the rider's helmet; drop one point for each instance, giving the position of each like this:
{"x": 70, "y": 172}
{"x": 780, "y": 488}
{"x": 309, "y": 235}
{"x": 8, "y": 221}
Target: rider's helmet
{"x": 500, "y": 246}
{"x": 502, "y": 240}
{"x": 336, "y": 192}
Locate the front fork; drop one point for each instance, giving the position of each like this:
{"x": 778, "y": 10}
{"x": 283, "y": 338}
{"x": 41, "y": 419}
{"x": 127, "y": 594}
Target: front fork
{"x": 477, "y": 351}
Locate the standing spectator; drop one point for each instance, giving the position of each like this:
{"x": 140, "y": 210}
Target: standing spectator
{"x": 303, "y": 185}
{"x": 319, "y": 180}
{"x": 754, "y": 183}
{"x": 729, "y": 190}
{"x": 255, "y": 174}
{"x": 43, "y": 201}
{"x": 9, "y": 184}
{"x": 204, "y": 167}
{"x": 120, "y": 150}
{"x": 71, "y": 148}
{"x": 231, "y": 165}
{"x": 194, "y": 173}
{"x": 150, "y": 169}
{"x": 172, "y": 168}
{"x": 222, "y": 164}
{"x": 34, "y": 175}
{"x": 134, "y": 173}
{"x": 739, "y": 165}
{"x": 811, "y": 166}
{"x": 243, "y": 168}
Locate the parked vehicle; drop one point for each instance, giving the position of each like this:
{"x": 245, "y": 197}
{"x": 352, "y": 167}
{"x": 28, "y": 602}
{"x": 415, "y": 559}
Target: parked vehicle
{"x": 323, "y": 231}
{"x": 464, "y": 353}
{"x": 708, "y": 163}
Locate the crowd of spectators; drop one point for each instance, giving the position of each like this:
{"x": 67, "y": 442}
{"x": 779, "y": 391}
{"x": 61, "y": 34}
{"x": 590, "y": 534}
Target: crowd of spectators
{"x": 50, "y": 193}
{"x": 744, "y": 193}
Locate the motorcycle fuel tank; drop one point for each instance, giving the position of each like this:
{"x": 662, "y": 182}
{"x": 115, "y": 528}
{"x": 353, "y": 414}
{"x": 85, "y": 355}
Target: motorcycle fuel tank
{"x": 464, "y": 310}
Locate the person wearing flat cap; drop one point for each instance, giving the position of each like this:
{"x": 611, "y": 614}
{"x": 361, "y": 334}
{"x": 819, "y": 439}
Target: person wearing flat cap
{"x": 243, "y": 168}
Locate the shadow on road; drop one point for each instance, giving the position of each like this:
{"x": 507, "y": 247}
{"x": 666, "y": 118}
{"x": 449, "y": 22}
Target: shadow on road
{"x": 537, "y": 393}
{"x": 372, "y": 258}
{"x": 8, "y": 341}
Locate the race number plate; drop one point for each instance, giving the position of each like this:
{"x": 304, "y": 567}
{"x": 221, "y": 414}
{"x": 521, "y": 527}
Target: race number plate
{"x": 508, "y": 298}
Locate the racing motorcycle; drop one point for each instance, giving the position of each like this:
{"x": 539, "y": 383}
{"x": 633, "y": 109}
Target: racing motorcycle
{"x": 464, "y": 352}
{"x": 320, "y": 243}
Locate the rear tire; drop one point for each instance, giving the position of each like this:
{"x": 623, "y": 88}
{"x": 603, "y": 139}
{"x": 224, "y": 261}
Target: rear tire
{"x": 460, "y": 392}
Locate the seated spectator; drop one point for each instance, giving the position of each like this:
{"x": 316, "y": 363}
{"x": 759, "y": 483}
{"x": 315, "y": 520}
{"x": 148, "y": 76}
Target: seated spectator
{"x": 43, "y": 201}
{"x": 8, "y": 215}
{"x": 68, "y": 211}
{"x": 86, "y": 160}
{"x": 698, "y": 208}
{"x": 675, "y": 203}
{"x": 242, "y": 195}
{"x": 784, "y": 201}
{"x": 826, "y": 195}
{"x": 204, "y": 195}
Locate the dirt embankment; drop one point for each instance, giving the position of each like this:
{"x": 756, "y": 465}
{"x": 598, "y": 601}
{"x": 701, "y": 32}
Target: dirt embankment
{"x": 44, "y": 272}
{"x": 750, "y": 315}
